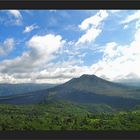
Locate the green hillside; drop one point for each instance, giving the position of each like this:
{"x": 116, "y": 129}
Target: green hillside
{"x": 66, "y": 116}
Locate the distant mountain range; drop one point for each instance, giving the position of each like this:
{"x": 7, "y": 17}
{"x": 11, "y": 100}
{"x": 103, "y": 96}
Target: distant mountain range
{"x": 131, "y": 83}
{"x": 87, "y": 89}
{"x": 12, "y": 89}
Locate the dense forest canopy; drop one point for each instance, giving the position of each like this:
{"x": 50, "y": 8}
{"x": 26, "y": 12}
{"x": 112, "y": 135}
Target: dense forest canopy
{"x": 67, "y": 116}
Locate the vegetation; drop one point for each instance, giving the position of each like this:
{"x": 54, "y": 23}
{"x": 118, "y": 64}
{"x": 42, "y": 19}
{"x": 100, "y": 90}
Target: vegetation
{"x": 66, "y": 116}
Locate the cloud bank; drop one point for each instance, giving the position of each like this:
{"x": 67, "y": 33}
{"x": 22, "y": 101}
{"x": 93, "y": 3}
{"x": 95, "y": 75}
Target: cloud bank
{"x": 50, "y": 57}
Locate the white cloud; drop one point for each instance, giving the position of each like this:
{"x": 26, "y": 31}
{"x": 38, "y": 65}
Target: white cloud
{"x": 137, "y": 24}
{"x": 45, "y": 46}
{"x": 30, "y": 28}
{"x": 114, "y": 11}
{"x": 110, "y": 50}
{"x": 94, "y": 20}
{"x": 131, "y": 17}
{"x": 54, "y": 73}
{"x": 91, "y": 26}
{"x": 52, "y": 10}
{"x": 7, "y": 46}
{"x": 36, "y": 65}
{"x": 17, "y": 15}
{"x": 119, "y": 61}
{"x": 42, "y": 50}
{"x": 90, "y": 35}
{"x": 61, "y": 72}
{"x": 125, "y": 26}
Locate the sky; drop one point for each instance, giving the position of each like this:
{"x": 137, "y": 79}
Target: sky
{"x": 54, "y": 46}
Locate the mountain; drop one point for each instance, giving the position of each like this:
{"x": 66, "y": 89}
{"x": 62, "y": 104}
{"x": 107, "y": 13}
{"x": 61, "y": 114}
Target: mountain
{"x": 13, "y": 89}
{"x": 83, "y": 90}
{"x": 92, "y": 83}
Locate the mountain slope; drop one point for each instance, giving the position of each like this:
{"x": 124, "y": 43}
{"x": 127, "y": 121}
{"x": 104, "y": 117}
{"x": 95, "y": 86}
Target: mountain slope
{"x": 85, "y": 89}
{"x": 92, "y": 83}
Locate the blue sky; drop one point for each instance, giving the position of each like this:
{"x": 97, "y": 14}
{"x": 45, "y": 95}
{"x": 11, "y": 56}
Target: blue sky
{"x": 53, "y": 46}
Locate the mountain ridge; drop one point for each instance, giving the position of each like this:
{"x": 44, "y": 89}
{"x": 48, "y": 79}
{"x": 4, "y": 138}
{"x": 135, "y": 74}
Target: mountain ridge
{"x": 8, "y": 89}
{"x": 85, "y": 89}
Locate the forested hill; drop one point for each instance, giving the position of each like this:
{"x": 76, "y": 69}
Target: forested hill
{"x": 66, "y": 116}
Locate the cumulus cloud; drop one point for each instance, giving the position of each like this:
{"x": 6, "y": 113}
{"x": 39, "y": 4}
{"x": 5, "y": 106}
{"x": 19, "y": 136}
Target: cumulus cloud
{"x": 54, "y": 73}
{"x": 119, "y": 61}
{"x": 30, "y": 28}
{"x": 7, "y": 46}
{"x": 61, "y": 72}
{"x": 42, "y": 49}
{"x": 110, "y": 50}
{"x": 91, "y": 26}
{"x": 44, "y": 46}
